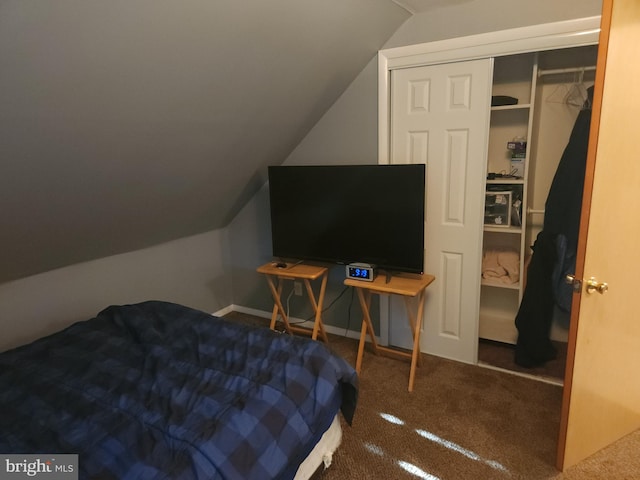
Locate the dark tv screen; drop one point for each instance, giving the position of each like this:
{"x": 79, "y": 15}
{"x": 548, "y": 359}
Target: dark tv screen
{"x": 349, "y": 213}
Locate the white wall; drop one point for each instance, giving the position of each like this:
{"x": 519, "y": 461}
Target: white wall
{"x": 192, "y": 271}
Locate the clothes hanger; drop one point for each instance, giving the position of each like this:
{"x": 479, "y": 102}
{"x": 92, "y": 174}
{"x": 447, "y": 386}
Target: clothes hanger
{"x": 577, "y": 93}
{"x": 572, "y": 94}
{"x": 559, "y": 94}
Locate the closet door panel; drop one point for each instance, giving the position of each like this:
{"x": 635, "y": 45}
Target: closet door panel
{"x": 439, "y": 116}
{"x": 457, "y": 158}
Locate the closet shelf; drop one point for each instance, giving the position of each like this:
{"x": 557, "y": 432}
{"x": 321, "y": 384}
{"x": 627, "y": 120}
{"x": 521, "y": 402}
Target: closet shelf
{"x": 514, "y": 230}
{"x": 506, "y": 181}
{"x": 519, "y": 106}
{"x": 509, "y": 286}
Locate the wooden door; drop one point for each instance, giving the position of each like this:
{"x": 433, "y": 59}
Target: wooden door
{"x": 601, "y": 401}
{"x": 440, "y": 117}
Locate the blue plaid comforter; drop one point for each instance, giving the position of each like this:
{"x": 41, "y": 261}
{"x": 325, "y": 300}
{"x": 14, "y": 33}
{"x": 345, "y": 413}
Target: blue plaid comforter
{"x": 158, "y": 390}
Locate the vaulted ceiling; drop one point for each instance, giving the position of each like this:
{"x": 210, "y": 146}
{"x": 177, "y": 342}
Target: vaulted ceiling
{"x": 125, "y": 124}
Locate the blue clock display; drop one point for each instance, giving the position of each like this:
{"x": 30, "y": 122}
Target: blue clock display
{"x": 356, "y": 272}
{"x": 359, "y": 271}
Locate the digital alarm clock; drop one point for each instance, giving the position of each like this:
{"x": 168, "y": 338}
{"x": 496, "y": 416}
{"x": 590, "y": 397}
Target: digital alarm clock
{"x": 360, "y": 271}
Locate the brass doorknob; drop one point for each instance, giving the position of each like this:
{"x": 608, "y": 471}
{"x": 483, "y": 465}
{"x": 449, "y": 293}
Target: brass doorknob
{"x": 594, "y": 286}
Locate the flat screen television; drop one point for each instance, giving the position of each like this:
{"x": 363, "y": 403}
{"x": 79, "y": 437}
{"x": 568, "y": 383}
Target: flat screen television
{"x": 343, "y": 214}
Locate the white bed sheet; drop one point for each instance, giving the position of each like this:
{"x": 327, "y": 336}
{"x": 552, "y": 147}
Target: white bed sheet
{"x": 322, "y": 452}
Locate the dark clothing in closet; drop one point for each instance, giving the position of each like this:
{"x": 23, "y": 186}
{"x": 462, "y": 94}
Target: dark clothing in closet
{"x": 535, "y": 315}
{"x": 564, "y": 202}
{"x": 560, "y": 233}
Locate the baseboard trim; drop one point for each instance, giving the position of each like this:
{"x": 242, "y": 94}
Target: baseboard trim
{"x": 222, "y": 312}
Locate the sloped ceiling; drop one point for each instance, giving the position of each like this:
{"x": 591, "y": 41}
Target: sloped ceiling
{"x": 128, "y": 123}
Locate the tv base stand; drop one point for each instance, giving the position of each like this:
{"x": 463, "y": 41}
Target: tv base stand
{"x": 406, "y": 286}
{"x": 277, "y": 275}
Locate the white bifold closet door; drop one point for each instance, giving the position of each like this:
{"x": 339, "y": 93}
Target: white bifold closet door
{"x": 439, "y": 116}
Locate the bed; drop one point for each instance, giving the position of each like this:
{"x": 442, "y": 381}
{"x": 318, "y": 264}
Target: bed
{"x": 160, "y": 390}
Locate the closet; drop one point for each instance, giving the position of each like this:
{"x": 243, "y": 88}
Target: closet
{"x": 543, "y": 92}
{"x": 465, "y": 73}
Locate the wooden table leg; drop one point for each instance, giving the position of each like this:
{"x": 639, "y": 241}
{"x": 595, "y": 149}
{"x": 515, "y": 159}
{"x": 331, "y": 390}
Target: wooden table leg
{"x": 363, "y": 336}
{"x": 277, "y": 304}
{"x": 365, "y": 301}
{"x": 317, "y": 308}
{"x": 274, "y": 313}
{"x": 412, "y": 323}
{"x": 416, "y": 340}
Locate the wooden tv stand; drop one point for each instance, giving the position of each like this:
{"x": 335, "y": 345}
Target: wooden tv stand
{"x": 408, "y": 286}
{"x": 297, "y": 271}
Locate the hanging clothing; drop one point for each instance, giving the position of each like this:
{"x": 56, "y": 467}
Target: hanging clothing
{"x": 564, "y": 201}
{"x": 535, "y": 314}
{"x": 554, "y": 250}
